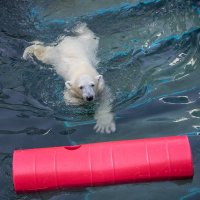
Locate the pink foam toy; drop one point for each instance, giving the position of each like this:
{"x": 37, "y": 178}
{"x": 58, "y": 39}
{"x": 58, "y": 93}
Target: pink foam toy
{"x": 103, "y": 163}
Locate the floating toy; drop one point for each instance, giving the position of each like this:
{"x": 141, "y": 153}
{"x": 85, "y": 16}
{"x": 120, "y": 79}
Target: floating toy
{"x": 102, "y": 164}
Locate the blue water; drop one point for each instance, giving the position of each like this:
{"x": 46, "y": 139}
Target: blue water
{"x": 150, "y": 58}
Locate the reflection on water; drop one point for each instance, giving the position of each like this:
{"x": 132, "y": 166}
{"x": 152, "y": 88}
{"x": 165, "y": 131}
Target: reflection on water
{"x": 150, "y": 59}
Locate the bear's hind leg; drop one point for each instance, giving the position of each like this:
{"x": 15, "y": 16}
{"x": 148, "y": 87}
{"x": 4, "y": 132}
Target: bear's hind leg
{"x": 38, "y": 50}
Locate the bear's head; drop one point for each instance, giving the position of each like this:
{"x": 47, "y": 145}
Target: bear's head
{"x": 86, "y": 87}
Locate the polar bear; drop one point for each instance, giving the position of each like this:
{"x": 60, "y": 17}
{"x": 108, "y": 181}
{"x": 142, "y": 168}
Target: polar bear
{"x": 74, "y": 58}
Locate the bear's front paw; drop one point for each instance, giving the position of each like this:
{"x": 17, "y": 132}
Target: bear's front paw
{"x": 105, "y": 123}
{"x": 70, "y": 100}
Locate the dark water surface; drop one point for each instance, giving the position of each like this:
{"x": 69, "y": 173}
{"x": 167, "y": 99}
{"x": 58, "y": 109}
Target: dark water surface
{"x": 150, "y": 58}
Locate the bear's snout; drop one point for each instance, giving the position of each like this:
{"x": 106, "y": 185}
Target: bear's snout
{"x": 89, "y": 98}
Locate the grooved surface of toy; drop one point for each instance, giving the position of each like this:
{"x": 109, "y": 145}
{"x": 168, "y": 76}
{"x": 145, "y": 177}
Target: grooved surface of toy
{"x": 102, "y": 163}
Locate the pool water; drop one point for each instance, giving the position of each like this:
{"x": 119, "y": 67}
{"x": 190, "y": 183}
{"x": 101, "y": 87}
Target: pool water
{"x": 150, "y": 58}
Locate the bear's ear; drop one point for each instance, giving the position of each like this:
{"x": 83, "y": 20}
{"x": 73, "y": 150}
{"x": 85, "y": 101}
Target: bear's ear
{"x": 100, "y": 82}
{"x": 68, "y": 84}
{"x": 99, "y": 77}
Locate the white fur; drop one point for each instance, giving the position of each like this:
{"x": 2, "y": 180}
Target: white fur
{"x": 74, "y": 58}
